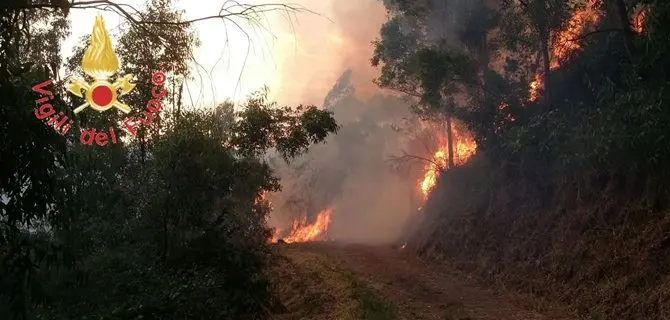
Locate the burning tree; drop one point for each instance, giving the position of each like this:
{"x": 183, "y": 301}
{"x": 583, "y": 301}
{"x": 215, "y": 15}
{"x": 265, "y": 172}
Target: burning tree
{"x": 585, "y": 85}
{"x": 428, "y": 149}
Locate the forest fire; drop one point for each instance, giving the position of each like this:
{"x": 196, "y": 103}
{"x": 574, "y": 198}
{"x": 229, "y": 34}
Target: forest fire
{"x": 464, "y": 148}
{"x": 638, "y": 20}
{"x": 433, "y": 171}
{"x": 534, "y": 87}
{"x": 301, "y": 231}
{"x": 565, "y": 42}
{"x": 275, "y": 235}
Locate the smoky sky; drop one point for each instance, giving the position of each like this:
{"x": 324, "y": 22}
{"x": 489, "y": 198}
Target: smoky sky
{"x": 315, "y": 50}
{"x": 352, "y": 172}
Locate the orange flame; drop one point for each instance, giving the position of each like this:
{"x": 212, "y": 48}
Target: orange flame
{"x": 638, "y": 20}
{"x": 565, "y": 42}
{"x": 535, "y": 86}
{"x": 261, "y": 198}
{"x": 275, "y": 235}
{"x": 301, "y": 231}
{"x": 433, "y": 172}
{"x": 464, "y": 148}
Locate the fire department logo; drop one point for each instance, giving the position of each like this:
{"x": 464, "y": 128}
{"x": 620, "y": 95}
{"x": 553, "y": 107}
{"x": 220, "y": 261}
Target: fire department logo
{"x": 100, "y": 63}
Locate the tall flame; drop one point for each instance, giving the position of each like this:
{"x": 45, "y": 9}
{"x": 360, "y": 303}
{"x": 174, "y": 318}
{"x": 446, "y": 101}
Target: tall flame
{"x": 433, "y": 172}
{"x": 464, "y": 148}
{"x": 99, "y": 60}
{"x": 565, "y": 42}
{"x": 303, "y": 232}
{"x": 534, "y": 87}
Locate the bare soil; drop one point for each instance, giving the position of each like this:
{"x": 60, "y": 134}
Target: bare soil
{"x": 337, "y": 281}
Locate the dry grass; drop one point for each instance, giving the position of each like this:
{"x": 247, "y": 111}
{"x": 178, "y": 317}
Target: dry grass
{"x": 603, "y": 251}
{"x": 310, "y": 286}
{"x": 371, "y": 306}
{"x": 457, "y": 312}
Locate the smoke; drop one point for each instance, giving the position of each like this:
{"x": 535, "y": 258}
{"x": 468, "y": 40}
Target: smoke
{"x": 314, "y": 50}
{"x": 352, "y": 174}
{"x": 327, "y": 63}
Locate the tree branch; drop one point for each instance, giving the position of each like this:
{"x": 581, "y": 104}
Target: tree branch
{"x": 406, "y": 157}
{"x": 588, "y": 34}
{"x": 229, "y": 9}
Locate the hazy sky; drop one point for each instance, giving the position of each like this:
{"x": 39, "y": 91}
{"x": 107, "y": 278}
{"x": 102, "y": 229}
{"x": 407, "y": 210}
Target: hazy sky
{"x": 298, "y": 58}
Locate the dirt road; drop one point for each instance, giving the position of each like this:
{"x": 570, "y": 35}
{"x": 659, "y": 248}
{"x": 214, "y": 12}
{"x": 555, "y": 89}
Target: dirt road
{"x": 333, "y": 281}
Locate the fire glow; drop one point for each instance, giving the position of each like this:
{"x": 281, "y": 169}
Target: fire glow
{"x": 301, "y": 231}
{"x": 534, "y": 87}
{"x": 638, "y": 20}
{"x": 565, "y": 42}
{"x": 464, "y": 148}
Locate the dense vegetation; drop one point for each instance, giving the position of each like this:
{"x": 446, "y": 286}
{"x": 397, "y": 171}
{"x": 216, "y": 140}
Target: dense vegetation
{"x": 170, "y": 225}
{"x": 567, "y": 197}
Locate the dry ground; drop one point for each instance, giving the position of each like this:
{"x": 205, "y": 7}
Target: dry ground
{"x": 319, "y": 281}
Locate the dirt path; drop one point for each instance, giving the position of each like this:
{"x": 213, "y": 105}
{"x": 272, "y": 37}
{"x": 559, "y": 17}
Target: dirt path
{"x": 331, "y": 281}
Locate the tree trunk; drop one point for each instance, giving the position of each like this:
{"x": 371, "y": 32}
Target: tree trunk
{"x": 179, "y": 98}
{"x": 450, "y": 140}
{"x": 546, "y": 66}
{"x": 624, "y": 20}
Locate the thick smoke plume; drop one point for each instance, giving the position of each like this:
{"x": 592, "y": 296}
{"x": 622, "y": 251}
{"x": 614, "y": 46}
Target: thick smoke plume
{"x": 351, "y": 173}
{"x": 314, "y": 50}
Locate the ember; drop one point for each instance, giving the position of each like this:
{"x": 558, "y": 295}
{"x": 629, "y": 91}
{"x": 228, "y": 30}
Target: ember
{"x": 275, "y": 235}
{"x": 638, "y": 20}
{"x": 535, "y": 86}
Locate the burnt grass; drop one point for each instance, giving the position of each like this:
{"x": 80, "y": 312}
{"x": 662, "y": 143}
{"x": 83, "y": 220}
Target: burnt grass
{"x": 598, "y": 245}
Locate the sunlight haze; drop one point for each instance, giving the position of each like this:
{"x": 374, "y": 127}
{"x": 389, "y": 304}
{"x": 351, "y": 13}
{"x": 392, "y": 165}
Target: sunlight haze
{"x": 298, "y": 56}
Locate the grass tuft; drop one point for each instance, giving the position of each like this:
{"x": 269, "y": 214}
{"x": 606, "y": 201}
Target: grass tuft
{"x": 371, "y": 306}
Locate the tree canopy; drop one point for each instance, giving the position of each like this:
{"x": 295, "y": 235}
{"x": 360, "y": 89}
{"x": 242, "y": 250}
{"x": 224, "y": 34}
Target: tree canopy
{"x": 169, "y": 225}
{"x": 566, "y": 100}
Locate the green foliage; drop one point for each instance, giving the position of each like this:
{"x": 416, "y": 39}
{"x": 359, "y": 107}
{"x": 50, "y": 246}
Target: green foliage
{"x": 168, "y": 227}
{"x": 606, "y": 110}
{"x": 32, "y": 158}
{"x": 394, "y": 52}
{"x": 263, "y": 125}
{"x": 438, "y": 70}
{"x": 556, "y": 179}
{"x": 182, "y": 235}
